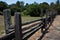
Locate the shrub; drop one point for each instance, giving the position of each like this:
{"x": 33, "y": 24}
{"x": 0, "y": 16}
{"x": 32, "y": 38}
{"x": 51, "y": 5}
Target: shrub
{"x": 1, "y": 13}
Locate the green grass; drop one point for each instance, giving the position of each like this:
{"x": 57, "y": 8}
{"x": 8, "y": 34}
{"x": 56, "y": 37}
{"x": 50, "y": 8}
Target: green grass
{"x": 1, "y": 25}
{"x": 24, "y": 19}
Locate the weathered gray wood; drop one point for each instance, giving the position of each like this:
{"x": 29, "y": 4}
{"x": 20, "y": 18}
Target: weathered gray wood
{"x": 46, "y": 17}
{"x": 7, "y": 19}
{"x": 41, "y": 13}
{"x": 49, "y": 12}
{"x": 52, "y": 13}
{"x": 18, "y": 26}
{"x": 46, "y": 13}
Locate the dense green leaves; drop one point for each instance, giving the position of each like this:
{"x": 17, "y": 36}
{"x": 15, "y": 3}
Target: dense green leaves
{"x": 33, "y": 9}
{"x": 3, "y": 5}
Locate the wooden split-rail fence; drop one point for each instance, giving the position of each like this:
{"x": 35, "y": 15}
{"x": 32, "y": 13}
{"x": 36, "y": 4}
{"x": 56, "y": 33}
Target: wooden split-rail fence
{"x": 16, "y": 32}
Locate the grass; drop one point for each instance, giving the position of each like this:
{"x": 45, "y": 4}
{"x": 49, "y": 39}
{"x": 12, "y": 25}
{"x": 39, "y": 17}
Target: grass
{"x": 1, "y": 25}
{"x": 24, "y": 19}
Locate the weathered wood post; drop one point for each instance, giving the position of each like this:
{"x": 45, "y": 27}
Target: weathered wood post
{"x": 55, "y": 12}
{"x": 46, "y": 16}
{"x": 41, "y": 15}
{"x": 7, "y": 20}
{"x": 52, "y": 14}
{"x": 18, "y": 26}
{"x": 46, "y": 20}
{"x": 47, "y": 13}
{"x": 41, "y": 12}
{"x": 49, "y": 20}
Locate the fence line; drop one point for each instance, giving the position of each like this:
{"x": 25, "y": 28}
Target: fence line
{"x": 17, "y": 31}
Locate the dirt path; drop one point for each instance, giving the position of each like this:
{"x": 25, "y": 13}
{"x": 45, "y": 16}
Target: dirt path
{"x": 53, "y": 32}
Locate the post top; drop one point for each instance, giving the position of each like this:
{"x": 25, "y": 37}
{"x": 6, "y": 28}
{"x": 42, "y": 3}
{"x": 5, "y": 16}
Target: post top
{"x": 6, "y": 10}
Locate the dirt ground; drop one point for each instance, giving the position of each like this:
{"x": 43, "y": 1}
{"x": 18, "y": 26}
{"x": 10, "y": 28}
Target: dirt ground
{"x": 52, "y": 34}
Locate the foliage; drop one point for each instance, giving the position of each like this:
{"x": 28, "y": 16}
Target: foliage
{"x": 3, "y": 5}
{"x": 57, "y": 6}
{"x": 19, "y": 6}
{"x": 1, "y": 13}
{"x": 33, "y": 9}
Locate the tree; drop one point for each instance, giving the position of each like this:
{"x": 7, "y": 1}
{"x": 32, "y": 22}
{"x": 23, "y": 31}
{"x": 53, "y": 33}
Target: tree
{"x": 44, "y": 6}
{"x": 32, "y": 9}
{"x": 20, "y": 5}
{"x": 57, "y": 2}
{"x": 58, "y": 6}
{"x": 3, "y": 5}
{"x": 13, "y": 8}
{"x": 52, "y": 6}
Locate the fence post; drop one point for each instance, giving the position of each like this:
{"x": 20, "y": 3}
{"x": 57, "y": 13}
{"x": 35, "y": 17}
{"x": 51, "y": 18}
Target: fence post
{"x": 7, "y": 20}
{"x": 46, "y": 13}
{"x": 46, "y": 21}
{"x": 52, "y": 14}
{"x": 41, "y": 13}
{"x": 18, "y": 26}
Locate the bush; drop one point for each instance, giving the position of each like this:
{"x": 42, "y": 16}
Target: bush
{"x": 25, "y": 13}
{"x": 1, "y": 13}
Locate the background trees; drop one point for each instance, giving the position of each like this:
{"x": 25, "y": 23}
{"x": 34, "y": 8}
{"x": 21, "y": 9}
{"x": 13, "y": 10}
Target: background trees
{"x": 57, "y": 6}
{"x": 3, "y": 5}
{"x": 19, "y": 6}
{"x": 33, "y": 9}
